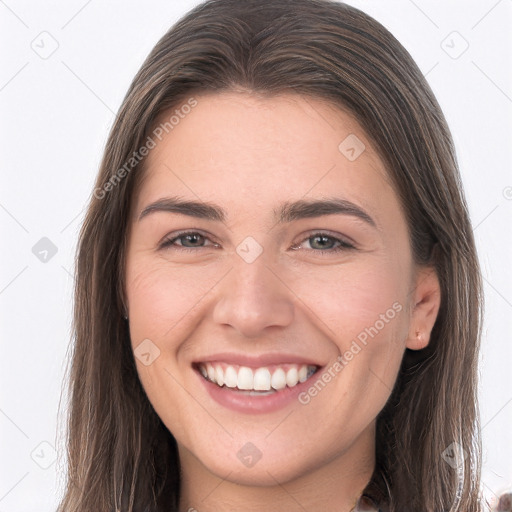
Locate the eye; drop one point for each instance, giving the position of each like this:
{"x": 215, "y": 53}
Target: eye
{"x": 325, "y": 243}
{"x": 189, "y": 241}
{"x": 319, "y": 242}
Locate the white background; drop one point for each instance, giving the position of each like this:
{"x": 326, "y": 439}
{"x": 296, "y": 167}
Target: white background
{"x": 56, "y": 113}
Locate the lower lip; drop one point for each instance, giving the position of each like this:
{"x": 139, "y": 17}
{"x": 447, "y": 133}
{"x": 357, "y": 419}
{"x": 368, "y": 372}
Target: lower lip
{"x": 238, "y": 401}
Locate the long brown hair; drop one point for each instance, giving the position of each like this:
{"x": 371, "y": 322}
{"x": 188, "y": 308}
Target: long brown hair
{"x": 120, "y": 454}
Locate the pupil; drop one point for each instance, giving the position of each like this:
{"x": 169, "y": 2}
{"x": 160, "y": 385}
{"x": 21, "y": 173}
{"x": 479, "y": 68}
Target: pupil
{"x": 323, "y": 240}
{"x": 192, "y": 238}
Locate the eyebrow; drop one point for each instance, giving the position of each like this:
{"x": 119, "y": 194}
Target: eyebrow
{"x": 287, "y": 212}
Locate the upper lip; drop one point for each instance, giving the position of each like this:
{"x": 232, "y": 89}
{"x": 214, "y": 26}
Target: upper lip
{"x": 257, "y": 361}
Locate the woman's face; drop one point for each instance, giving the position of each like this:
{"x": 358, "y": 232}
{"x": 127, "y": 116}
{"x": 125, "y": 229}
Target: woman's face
{"x": 245, "y": 283}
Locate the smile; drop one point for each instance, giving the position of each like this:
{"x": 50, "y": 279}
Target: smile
{"x": 264, "y": 380}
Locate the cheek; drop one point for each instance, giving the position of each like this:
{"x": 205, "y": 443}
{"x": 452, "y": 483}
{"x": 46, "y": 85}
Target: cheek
{"x": 362, "y": 310}
{"x": 160, "y": 295}
{"x": 162, "y": 301}
{"x": 349, "y": 300}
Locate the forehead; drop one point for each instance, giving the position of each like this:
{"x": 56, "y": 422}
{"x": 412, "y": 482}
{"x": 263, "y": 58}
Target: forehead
{"x": 250, "y": 150}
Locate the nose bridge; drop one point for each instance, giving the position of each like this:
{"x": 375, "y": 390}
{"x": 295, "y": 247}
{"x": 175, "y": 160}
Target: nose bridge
{"x": 253, "y": 297}
{"x": 254, "y": 279}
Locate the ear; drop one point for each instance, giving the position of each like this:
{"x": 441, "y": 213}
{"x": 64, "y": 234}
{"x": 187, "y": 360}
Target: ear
{"x": 426, "y": 300}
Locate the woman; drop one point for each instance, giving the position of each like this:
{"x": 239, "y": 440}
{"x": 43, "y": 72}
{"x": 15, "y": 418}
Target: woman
{"x": 278, "y": 299}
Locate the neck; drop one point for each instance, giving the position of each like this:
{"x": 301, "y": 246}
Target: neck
{"x": 334, "y": 485}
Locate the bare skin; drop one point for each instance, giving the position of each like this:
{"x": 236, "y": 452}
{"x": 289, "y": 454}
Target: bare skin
{"x": 198, "y": 296}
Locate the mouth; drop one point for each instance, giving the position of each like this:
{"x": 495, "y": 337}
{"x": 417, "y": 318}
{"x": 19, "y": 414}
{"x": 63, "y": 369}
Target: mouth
{"x": 261, "y": 381}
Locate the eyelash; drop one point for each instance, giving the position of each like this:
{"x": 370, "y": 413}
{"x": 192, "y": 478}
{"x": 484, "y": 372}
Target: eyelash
{"x": 343, "y": 244}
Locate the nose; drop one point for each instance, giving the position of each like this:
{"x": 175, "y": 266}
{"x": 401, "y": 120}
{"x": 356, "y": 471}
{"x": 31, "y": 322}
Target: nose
{"x": 252, "y": 298}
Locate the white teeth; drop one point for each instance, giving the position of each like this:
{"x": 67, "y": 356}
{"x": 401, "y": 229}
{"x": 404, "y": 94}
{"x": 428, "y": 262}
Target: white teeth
{"x": 211, "y": 371}
{"x": 292, "y": 377}
{"x": 279, "y": 379}
{"x": 245, "y": 377}
{"x": 262, "y": 381}
{"x": 219, "y": 375}
{"x": 230, "y": 377}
